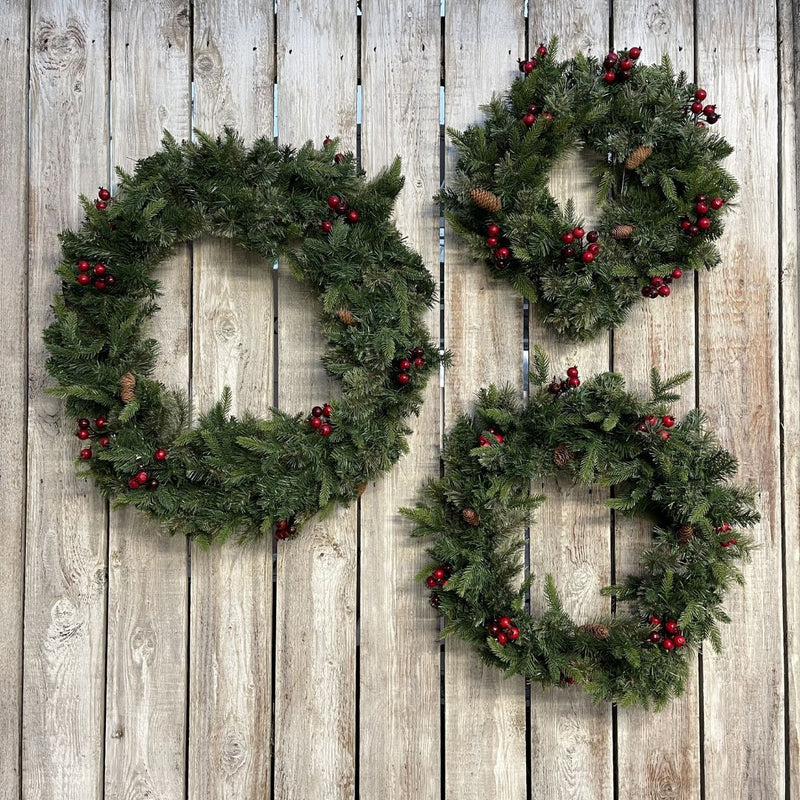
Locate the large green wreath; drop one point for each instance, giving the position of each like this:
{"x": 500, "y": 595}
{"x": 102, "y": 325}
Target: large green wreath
{"x": 661, "y": 190}
{"x": 226, "y": 475}
{"x": 673, "y": 473}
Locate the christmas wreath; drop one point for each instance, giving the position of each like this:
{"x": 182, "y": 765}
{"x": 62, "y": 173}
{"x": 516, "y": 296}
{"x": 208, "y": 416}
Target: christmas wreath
{"x": 661, "y": 190}
{"x": 227, "y": 475}
{"x": 672, "y": 472}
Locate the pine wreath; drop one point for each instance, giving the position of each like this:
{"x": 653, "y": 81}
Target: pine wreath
{"x": 661, "y": 191}
{"x": 241, "y": 476}
{"x": 672, "y": 472}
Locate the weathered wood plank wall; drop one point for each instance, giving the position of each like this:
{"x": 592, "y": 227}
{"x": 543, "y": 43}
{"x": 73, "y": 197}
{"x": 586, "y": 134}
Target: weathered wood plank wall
{"x": 135, "y": 666}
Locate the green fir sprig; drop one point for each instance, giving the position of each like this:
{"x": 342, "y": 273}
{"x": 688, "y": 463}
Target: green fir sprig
{"x": 661, "y": 191}
{"x": 672, "y": 473}
{"x": 227, "y": 476}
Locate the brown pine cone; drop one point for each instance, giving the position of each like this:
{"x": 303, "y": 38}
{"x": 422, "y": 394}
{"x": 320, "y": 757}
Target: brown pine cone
{"x": 471, "y": 517}
{"x": 346, "y": 316}
{"x": 562, "y": 456}
{"x": 362, "y": 487}
{"x": 638, "y": 157}
{"x": 598, "y": 630}
{"x": 685, "y": 533}
{"x": 487, "y": 200}
{"x": 128, "y": 384}
{"x": 622, "y": 231}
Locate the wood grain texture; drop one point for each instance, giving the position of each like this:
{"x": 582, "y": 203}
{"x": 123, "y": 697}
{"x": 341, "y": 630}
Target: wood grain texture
{"x": 571, "y": 747}
{"x": 316, "y": 574}
{"x": 230, "y": 641}
{"x": 738, "y": 346}
{"x": 147, "y": 669}
{"x": 658, "y": 754}
{"x": 65, "y": 585}
{"x": 399, "y": 665}
{"x": 13, "y": 381}
{"x": 485, "y": 725}
{"x": 789, "y": 77}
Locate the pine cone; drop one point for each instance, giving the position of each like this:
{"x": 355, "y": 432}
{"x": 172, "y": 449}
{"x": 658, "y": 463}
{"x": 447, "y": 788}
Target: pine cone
{"x": 487, "y": 200}
{"x": 362, "y": 487}
{"x": 471, "y": 517}
{"x": 597, "y": 630}
{"x": 685, "y": 533}
{"x": 128, "y": 384}
{"x": 562, "y": 456}
{"x": 622, "y": 231}
{"x": 346, "y": 316}
{"x": 638, "y": 157}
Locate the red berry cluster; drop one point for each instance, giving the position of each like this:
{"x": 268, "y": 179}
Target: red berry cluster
{"x": 337, "y": 204}
{"x": 285, "y": 529}
{"x": 530, "y": 116}
{"x": 656, "y": 427}
{"x": 143, "y": 479}
{"x": 320, "y": 419}
{"x": 659, "y": 284}
{"x": 574, "y": 248}
{"x": 669, "y": 637}
{"x": 495, "y": 437}
{"x": 100, "y": 277}
{"x": 503, "y": 630}
{"x": 437, "y": 580}
{"x": 529, "y": 64}
{"x": 618, "y": 66}
{"x": 498, "y": 246}
{"x": 724, "y": 528}
{"x": 703, "y": 207}
{"x": 86, "y": 432}
{"x": 415, "y": 360}
{"x": 700, "y": 111}
{"x": 327, "y": 142}
{"x": 572, "y": 381}
{"x": 103, "y": 196}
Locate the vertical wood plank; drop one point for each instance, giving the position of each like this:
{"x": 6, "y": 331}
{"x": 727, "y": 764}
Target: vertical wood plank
{"x": 658, "y": 754}
{"x": 231, "y": 589}
{"x": 13, "y": 380}
{"x": 316, "y": 574}
{"x": 743, "y": 687}
{"x": 485, "y": 725}
{"x": 789, "y": 50}
{"x": 571, "y": 742}
{"x": 65, "y": 586}
{"x": 399, "y": 665}
{"x": 147, "y": 670}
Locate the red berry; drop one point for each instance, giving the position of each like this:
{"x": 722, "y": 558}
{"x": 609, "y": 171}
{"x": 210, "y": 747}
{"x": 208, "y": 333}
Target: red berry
{"x": 404, "y": 364}
{"x": 327, "y": 410}
{"x": 315, "y": 422}
{"x": 316, "y": 411}
{"x": 701, "y": 207}
{"x": 726, "y": 526}
{"x": 104, "y": 441}
{"x": 494, "y": 629}
{"x": 502, "y": 638}
{"x": 493, "y": 230}
{"x": 84, "y": 433}
{"x": 611, "y": 58}
{"x": 101, "y": 422}
{"x": 567, "y": 252}
{"x": 700, "y": 94}
{"x": 86, "y": 454}
{"x": 704, "y": 223}
{"x": 587, "y": 256}
{"x": 554, "y": 387}
{"x": 641, "y": 427}
{"x": 664, "y": 435}
{"x": 338, "y": 158}
{"x": 679, "y": 640}
{"x": 567, "y": 237}
{"x": 594, "y": 248}
{"x": 438, "y": 573}
{"x": 693, "y": 230}
{"x": 700, "y": 198}
{"x": 712, "y": 119}
{"x": 504, "y": 622}
{"x": 499, "y": 438}
{"x": 160, "y": 454}
{"x": 654, "y": 620}
{"x": 142, "y": 476}
{"x": 84, "y": 266}
{"x": 513, "y": 633}
{"x": 325, "y": 429}
{"x": 418, "y": 351}
{"x": 717, "y": 203}
{"x": 572, "y": 372}
{"x": 101, "y": 205}
{"x": 352, "y": 217}
{"x": 152, "y": 484}
{"x": 668, "y": 644}
{"x": 664, "y": 291}
{"x": 491, "y": 241}
{"x": 502, "y": 254}
{"x": 635, "y": 52}
{"x": 650, "y": 420}
{"x": 83, "y": 279}
{"x": 656, "y": 281}
{"x": 626, "y": 64}
{"x": 104, "y": 194}
{"x": 418, "y": 362}
{"x": 430, "y": 581}
{"x": 327, "y": 226}
{"x": 333, "y": 201}
{"x": 100, "y": 284}
{"x": 685, "y": 224}
{"x": 83, "y": 422}
{"x": 326, "y": 141}
{"x": 110, "y": 281}
{"x": 696, "y": 107}
{"x": 668, "y": 421}
{"x": 592, "y": 236}
{"x": 133, "y": 483}
{"x": 654, "y": 637}
{"x": 578, "y": 233}
{"x": 671, "y": 626}
{"x": 528, "y": 66}
{"x": 677, "y": 273}
{"x": 574, "y": 382}
{"x": 403, "y": 378}
{"x": 541, "y": 51}
{"x": 726, "y": 544}
{"x": 529, "y": 120}
{"x": 609, "y": 77}
{"x": 282, "y": 525}
{"x": 709, "y": 110}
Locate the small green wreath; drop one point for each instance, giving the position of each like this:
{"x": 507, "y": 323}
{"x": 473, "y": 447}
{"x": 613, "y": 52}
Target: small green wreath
{"x": 226, "y": 475}
{"x": 661, "y": 190}
{"x": 674, "y": 473}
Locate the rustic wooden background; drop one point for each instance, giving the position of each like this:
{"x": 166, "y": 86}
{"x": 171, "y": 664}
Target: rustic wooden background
{"x": 138, "y": 666}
